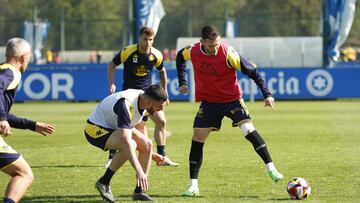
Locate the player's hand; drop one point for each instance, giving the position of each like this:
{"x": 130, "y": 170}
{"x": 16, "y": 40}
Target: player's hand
{"x": 183, "y": 89}
{"x": 5, "y": 129}
{"x": 44, "y": 129}
{"x": 142, "y": 180}
{"x": 159, "y": 159}
{"x": 270, "y": 101}
{"x": 112, "y": 89}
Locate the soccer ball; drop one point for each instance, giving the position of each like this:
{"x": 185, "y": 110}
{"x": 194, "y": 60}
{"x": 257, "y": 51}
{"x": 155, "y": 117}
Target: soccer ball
{"x": 298, "y": 188}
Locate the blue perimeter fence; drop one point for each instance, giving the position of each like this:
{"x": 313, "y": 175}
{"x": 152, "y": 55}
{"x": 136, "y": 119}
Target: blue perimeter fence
{"x": 88, "y": 82}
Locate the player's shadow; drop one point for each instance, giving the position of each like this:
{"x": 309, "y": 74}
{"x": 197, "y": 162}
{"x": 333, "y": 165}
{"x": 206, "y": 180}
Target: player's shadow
{"x": 280, "y": 199}
{"x": 200, "y": 197}
{"x": 67, "y": 166}
{"x": 73, "y": 199}
{"x": 173, "y": 196}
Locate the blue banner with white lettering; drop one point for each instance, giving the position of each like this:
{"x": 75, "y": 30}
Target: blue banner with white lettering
{"x": 78, "y": 82}
{"x": 148, "y": 13}
{"x": 84, "y": 82}
{"x": 307, "y": 83}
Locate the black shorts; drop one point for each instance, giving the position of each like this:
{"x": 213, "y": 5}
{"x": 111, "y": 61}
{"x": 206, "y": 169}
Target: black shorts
{"x": 97, "y": 135}
{"x": 7, "y": 155}
{"x": 210, "y": 115}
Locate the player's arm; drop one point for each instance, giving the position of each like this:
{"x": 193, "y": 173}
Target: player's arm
{"x": 158, "y": 158}
{"x": 248, "y": 69}
{"x": 23, "y": 123}
{"x": 6, "y": 78}
{"x": 164, "y": 81}
{"x": 235, "y": 60}
{"x": 111, "y": 72}
{"x": 160, "y": 67}
{"x": 140, "y": 138}
{"x": 182, "y": 56}
{"x": 124, "y": 132}
{"x": 125, "y": 136}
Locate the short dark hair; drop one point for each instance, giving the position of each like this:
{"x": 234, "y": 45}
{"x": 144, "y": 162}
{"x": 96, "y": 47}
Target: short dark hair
{"x": 147, "y": 30}
{"x": 156, "y": 92}
{"x": 209, "y": 32}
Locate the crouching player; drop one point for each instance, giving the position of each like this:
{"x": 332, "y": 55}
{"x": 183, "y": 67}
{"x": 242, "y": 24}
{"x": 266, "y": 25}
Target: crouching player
{"x": 111, "y": 127}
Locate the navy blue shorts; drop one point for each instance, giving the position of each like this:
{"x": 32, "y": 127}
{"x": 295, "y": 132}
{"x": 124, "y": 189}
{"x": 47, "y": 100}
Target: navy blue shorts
{"x": 7, "y": 155}
{"x": 97, "y": 135}
{"x": 210, "y": 115}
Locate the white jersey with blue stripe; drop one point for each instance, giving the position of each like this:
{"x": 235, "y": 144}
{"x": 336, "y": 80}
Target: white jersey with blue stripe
{"x": 104, "y": 114}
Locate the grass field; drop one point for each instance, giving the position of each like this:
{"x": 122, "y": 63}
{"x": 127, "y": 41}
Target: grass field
{"x": 315, "y": 140}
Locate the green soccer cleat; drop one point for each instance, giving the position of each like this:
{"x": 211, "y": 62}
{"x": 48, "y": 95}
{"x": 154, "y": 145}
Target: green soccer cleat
{"x": 191, "y": 192}
{"x": 275, "y": 175}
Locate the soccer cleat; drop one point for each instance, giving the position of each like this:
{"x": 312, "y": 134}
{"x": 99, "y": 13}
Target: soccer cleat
{"x": 168, "y": 162}
{"x": 107, "y": 163}
{"x": 191, "y": 192}
{"x": 142, "y": 196}
{"x": 275, "y": 175}
{"x": 105, "y": 191}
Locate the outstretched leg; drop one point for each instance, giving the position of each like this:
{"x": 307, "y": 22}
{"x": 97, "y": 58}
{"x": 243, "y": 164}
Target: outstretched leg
{"x": 261, "y": 149}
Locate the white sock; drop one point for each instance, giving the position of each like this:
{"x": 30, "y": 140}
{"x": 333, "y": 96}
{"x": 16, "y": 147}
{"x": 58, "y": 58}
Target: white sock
{"x": 270, "y": 166}
{"x": 194, "y": 182}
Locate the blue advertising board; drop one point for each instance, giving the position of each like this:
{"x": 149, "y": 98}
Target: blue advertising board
{"x": 84, "y": 82}
{"x": 78, "y": 82}
{"x": 307, "y": 83}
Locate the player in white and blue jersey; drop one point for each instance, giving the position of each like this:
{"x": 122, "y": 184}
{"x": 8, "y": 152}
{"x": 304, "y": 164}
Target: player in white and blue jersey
{"x": 111, "y": 126}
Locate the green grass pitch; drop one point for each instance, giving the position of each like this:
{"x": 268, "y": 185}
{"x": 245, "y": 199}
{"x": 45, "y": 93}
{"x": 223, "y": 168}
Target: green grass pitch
{"x": 317, "y": 140}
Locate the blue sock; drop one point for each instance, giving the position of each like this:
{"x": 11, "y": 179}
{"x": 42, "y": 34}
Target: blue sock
{"x": 161, "y": 150}
{"x": 8, "y": 200}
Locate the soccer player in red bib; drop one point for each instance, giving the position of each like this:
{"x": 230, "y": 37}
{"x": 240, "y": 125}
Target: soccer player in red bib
{"x": 217, "y": 88}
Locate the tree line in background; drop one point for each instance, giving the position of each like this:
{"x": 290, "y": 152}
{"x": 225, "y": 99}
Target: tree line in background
{"x": 105, "y": 24}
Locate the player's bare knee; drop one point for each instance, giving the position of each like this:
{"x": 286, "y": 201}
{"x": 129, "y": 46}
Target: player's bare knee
{"x": 30, "y": 176}
{"x": 247, "y": 128}
{"x": 198, "y": 138}
{"x": 27, "y": 174}
{"x": 148, "y": 144}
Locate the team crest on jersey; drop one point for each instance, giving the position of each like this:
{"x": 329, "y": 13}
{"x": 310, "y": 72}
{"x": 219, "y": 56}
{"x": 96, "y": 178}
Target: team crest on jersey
{"x": 151, "y": 57}
{"x": 135, "y": 58}
{"x": 140, "y": 71}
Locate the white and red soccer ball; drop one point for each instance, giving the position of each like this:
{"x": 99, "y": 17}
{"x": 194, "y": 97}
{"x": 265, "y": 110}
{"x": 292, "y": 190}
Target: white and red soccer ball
{"x": 298, "y": 188}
